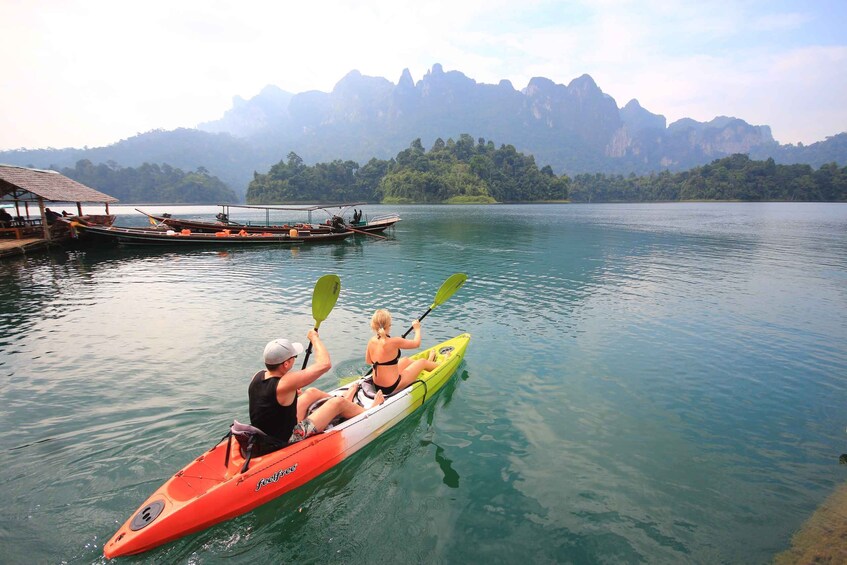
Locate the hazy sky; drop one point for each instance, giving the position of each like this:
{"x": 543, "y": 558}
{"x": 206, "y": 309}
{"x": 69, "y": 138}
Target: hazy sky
{"x": 92, "y": 72}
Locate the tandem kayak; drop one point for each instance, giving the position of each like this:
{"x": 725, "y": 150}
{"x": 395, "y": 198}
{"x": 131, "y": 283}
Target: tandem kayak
{"x": 216, "y": 486}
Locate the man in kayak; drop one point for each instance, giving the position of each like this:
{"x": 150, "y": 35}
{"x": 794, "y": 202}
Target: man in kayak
{"x": 390, "y": 372}
{"x": 276, "y": 405}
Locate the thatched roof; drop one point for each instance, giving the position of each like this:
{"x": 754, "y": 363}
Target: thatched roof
{"x": 49, "y": 185}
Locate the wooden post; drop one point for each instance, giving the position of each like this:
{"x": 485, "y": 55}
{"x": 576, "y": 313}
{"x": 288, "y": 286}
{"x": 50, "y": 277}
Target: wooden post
{"x": 107, "y": 209}
{"x": 79, "y": 209}
{"x": 44, "y": 226}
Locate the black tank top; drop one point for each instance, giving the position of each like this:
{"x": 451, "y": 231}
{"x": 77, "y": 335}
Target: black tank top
{"x": 266, "y": 413}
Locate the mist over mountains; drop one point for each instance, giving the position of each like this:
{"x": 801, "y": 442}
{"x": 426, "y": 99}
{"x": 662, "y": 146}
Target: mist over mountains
{"x": 574, "y": 128}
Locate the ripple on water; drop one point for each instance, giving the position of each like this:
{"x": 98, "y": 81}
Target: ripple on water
{"x": 645, "y": 383}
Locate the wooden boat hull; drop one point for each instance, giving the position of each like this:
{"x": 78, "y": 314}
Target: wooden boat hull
{"x": 170, "y": 238}
{"x": 200, "y": 226}
{"x": 208, "y": 490}
{"x": 377, "y": 225}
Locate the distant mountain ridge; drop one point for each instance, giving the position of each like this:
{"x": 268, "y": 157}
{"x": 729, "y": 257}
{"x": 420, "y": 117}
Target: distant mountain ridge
{"x": 574, "y": 128}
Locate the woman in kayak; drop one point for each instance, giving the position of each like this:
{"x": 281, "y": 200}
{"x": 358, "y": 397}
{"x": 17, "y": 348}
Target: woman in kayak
{"x": 276, "y": 405}
{"x": 392, "y": 373}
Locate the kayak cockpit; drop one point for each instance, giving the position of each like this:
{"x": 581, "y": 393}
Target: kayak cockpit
{"x": 252, "y": 443}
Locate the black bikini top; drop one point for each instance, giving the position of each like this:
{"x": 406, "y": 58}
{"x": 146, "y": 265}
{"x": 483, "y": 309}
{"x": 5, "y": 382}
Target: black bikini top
{"x": 392, "y": 362}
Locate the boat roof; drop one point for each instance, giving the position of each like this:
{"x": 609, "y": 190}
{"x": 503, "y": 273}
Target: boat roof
{"x": 304, "y": 208}
{"x": 25, "y": 184}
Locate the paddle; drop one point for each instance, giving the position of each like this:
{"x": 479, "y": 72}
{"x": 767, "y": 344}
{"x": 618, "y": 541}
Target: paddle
{"x": 153, "y": 221}
{"x": 324, "y": 298}
{"x": 366, "y": 233}
{"x": 453, "y": 283}
{"x": 447, "y": 289}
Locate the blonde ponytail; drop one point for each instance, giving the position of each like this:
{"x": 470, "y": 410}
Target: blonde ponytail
{"x": 380, "y": 322}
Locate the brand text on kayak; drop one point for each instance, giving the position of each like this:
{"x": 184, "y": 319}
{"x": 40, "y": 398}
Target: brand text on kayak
{"x": 275, "y": 477}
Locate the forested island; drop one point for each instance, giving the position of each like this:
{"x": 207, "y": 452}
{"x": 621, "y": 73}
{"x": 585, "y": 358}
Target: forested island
{"x": 465, "y": 171}
{"x": 450, "y": 172}
{"x": 151, "y": 183}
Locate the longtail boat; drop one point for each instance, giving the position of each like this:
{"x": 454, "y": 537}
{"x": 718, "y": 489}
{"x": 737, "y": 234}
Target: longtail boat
{"x": 335, "y": 223}
{"x": 186, "y": 237}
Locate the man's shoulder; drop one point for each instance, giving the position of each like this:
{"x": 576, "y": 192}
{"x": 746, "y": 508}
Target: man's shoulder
{"x": 260, "y": 375}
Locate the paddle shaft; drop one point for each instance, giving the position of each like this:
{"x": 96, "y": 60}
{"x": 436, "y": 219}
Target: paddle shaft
{"x": 428, "y": 310}
{"x": 308, "y": 352}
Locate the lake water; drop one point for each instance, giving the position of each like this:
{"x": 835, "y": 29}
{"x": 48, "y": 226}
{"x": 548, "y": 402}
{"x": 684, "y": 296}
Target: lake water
{"x": 656, "y": 383}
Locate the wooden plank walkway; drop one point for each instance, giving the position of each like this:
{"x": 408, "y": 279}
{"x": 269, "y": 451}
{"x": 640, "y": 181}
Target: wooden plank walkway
{"x": 13, "y": 247}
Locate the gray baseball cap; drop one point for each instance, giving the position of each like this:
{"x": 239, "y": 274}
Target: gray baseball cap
{"x": 280, "y": 350}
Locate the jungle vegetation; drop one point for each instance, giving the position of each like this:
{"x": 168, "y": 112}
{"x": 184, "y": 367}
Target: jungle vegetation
{"x": 736, "y": 177}
{"x": 453, "y": 171}
{"x": 467, "y": 171}
{"x": 151, "y": 183}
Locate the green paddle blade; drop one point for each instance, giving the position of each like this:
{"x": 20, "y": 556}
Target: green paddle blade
{"x": 324, "y": 297}
{"x": 450, "y": 286}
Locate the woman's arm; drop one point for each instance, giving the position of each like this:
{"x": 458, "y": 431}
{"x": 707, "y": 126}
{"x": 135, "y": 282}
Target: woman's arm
{"x": 403, "y": 343}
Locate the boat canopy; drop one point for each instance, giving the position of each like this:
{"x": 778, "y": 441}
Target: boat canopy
{"x": 304, "y": 208}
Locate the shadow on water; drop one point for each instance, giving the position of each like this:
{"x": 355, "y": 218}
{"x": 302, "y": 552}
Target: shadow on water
{"x": 451, "y": 477}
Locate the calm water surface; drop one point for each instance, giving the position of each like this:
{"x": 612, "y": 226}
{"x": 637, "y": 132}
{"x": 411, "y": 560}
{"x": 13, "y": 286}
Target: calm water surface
{"x": 645, "y": 384}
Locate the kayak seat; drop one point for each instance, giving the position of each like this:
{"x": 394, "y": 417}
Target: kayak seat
{"x": 368, "y": 388}
{"x": 252, "y": 442}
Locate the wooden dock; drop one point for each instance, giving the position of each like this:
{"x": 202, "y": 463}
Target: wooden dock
{"x": 24, "y": 246}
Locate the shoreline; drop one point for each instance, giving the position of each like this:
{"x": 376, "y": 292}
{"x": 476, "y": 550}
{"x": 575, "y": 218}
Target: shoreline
{"x": 821, "y": 538}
